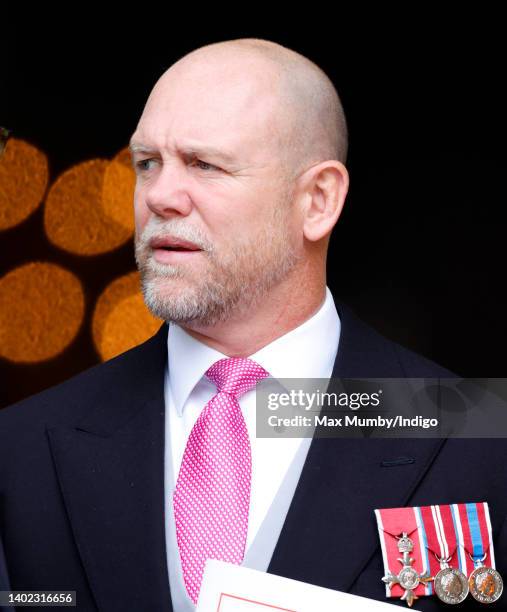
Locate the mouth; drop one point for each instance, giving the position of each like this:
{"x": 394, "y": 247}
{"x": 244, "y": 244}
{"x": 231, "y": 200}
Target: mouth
{"x": 168, "y": 249}
{"x": 169, "y": 243}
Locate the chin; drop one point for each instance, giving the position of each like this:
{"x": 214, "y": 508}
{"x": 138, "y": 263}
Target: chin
{"x": 169, "y": 290}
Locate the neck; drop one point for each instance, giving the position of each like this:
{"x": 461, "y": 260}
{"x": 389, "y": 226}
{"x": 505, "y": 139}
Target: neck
{"x": 285, "y": 307}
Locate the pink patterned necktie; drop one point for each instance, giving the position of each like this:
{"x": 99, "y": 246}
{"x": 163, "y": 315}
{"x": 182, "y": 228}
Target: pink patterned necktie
{"x": 212, "y": 495}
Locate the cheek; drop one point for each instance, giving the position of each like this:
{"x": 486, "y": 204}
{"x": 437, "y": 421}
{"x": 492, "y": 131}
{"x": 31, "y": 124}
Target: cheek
{"x": 141, "y": 213}
{"x": 232, "y": 230}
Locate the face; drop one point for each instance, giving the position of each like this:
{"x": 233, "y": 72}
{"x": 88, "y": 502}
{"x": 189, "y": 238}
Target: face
{"x": 215, "y": 227}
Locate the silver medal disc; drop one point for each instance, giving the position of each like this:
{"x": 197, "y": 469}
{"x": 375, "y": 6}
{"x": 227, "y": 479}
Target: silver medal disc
{"x": 408, "y": 578}
{"x": 451, "y": 585}
{"x": 486, "y": 584}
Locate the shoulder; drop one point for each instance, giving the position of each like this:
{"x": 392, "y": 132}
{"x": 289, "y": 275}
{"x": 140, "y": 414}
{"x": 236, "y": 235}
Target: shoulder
{"x": 364, "y": 352}
{"x": 417, "y": 366}
{"x": 67, "y": 402}
{"x": 106, "y": 395}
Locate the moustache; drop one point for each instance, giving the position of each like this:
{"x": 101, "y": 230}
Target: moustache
{"x": 173, "y": 230}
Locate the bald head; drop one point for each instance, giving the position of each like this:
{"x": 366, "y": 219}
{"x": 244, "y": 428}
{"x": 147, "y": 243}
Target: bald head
{"x": 307, "y": 122}
{"x": 223, "y": 136}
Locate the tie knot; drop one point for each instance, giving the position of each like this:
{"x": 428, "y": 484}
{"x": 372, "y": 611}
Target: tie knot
{"x": 235, "y": 375}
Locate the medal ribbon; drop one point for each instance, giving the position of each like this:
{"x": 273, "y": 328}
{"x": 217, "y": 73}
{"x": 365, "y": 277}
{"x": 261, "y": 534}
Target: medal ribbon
{"x": 433, "y": 538}
{"x": 473, "y": 527}
{"x": 441, "y": 538}
{"x": 391, "y": 523}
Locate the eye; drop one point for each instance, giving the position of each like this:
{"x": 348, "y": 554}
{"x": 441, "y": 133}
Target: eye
{"x": 140, "y": 164}
{"x": 205, "y": 166}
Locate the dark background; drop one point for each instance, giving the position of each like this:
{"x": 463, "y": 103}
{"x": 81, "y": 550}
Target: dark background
{"x": 419, "y": 250}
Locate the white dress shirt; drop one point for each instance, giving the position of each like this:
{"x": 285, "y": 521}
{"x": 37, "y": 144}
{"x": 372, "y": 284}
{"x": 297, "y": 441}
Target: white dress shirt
{"x": 308, "y": 351}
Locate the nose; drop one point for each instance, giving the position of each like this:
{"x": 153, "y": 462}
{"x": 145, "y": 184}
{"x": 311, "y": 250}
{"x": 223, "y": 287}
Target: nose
{"x": 168, "y": 191}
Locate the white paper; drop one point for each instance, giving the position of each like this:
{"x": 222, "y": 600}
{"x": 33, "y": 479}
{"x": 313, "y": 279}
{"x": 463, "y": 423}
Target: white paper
{"x": 232, "y": 588}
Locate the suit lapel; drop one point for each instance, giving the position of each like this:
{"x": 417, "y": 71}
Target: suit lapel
{"x": 111, "y": 472}
{"x": 330, "y": 534}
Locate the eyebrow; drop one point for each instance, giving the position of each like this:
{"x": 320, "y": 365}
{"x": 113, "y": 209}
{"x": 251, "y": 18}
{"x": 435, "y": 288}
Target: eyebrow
{"x": 199, "y": 151}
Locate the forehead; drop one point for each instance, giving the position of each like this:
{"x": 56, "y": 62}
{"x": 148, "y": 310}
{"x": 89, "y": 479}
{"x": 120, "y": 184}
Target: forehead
{"x": 220, "y": 108}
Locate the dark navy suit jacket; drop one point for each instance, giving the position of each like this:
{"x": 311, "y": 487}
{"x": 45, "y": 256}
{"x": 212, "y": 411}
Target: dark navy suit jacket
{"x": 82, "y": 484}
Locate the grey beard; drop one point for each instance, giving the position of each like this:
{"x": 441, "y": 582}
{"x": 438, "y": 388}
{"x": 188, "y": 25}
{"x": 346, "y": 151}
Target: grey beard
{"x": 233, "y": 286}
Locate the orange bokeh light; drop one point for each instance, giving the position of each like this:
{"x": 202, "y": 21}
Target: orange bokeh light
{"x": 75, "y": 219}
{"x": 23, "y": 181}
{"x": 121, "y": 319}
{"x": 41, "y": 311}
{"x": 118, "y": 190}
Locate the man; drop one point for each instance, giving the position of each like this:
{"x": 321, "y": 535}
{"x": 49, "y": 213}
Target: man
{"x": 239, "y": 155}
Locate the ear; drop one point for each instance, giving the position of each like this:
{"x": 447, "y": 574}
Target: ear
{"x": 323, "y": 191}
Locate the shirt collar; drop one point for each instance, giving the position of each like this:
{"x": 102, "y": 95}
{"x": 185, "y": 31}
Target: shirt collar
{"x": 188, "y": 360}
{"x": 307, "y": 351}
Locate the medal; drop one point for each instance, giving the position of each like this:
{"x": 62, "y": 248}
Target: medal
{"x": 451, "y": 584}
{"x": 401, "y": 541}
{"x": 485, "y": 583}
{"x": 450, "y": 542}
{"x": 474, "y": 530}
{"x": 408, "y": 578}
